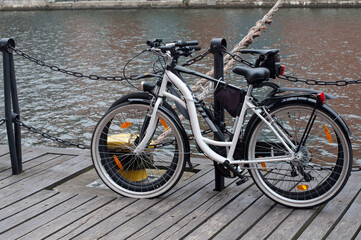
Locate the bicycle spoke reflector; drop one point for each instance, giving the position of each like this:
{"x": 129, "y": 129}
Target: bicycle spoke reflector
{"x": 302, "y": 187}
{"x": 327, "y": 133}
{"x": 125, "y": 125}
{"x": 164, "y": 124}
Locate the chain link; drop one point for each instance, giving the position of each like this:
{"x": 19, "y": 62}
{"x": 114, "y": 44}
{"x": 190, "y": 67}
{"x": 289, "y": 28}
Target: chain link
{"x": 2, "y": 121}
{"x": 312, "y": 82}
{"x": 196, "y": 59}
{"x": 82, "y": 146}
{"x": 239, "y": 59}
{"x": 48, "y": 136}
{"x": 65, "y": 71}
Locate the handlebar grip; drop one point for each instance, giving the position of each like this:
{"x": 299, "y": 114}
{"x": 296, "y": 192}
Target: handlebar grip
{"x": 187, "y": 43}
{"x": 191, "y": 43}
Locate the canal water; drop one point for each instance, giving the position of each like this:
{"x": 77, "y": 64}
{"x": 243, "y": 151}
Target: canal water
{"x": 314, "y": 43}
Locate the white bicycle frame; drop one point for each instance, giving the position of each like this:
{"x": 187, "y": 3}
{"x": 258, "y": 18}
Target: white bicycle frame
{"x": 202, "y": 142}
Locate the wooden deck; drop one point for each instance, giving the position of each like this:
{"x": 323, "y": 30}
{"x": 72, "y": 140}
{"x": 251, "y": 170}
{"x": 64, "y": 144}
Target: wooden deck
{"x": 51, "y": 199}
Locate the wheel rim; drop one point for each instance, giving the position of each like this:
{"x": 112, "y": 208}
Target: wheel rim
{"x": 148, "y": 174}
{"x": 324, "y": 159}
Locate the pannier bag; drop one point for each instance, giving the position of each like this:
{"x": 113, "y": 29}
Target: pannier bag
{"x": 230, "y": 98}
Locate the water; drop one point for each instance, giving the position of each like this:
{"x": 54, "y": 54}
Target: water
{"x": 314, "y": 43}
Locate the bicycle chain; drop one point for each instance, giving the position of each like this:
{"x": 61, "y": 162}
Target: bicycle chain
{"x": 65, "y": 71}
{"x": 312, "y": 82}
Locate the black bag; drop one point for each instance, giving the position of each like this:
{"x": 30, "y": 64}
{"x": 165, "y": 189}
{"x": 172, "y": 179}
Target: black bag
{"x": 230, "y": 98}
{"x": 272, "y": 62}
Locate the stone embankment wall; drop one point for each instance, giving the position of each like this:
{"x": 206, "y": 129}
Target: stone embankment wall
{"x": 85, "y": 4}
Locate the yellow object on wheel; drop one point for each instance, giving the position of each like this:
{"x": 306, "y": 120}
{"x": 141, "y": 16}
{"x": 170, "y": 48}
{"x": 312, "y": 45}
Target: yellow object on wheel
{"x": 130, "y": 167}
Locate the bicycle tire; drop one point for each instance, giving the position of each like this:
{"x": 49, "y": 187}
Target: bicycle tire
{"x": 325, "y": 160}
{"x": 153, "y": 172}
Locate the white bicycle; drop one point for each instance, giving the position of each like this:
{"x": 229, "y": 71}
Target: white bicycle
{"x": 296, "y": 148}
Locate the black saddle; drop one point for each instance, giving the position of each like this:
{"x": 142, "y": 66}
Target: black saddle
{"x": 254, "y": 76}
{"x": 260, "y": 51}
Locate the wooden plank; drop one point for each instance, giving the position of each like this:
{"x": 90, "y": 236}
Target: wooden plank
{"x": 226, "y": 215}
{"x": 92, "y": 219}
{"x": 246, "y": 218}
{"x": 350, "y": 223}
{"x": 174, "y": 215}
{"x": 192, "y": 214}
{"x": 333, "y": 210}
{"x": 358, "y": 237}
{"x": 4, "y": 149}
{"x": 158, "y": 210}
{"x": 299, "y": 219}
{"x": 41, "y": 164}
{"x": 25, "y": 203}
{"x": 33, "y": 211}
{"x": 57, "y": 150}
{"x": 292, "y": 224}
{"x": 145, "y": 209}
{"x": 68, "y": 218}
{"x": 27, "y": 154}
{"x": 268, "y": 223}
{"x": 44, "y": 179}
{"x": 47, "y": 216}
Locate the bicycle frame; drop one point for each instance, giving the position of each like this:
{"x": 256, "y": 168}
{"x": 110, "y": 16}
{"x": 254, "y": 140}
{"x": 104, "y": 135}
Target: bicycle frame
{"x": 190, "y": 104}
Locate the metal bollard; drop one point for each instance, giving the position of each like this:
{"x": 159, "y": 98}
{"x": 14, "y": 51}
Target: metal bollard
{"x": 217, "y": 46}
{"x": 12, "y": 110}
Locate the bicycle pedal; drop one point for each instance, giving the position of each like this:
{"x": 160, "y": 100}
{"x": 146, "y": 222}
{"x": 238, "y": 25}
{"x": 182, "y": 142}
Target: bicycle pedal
{"x": 242, "y": 180}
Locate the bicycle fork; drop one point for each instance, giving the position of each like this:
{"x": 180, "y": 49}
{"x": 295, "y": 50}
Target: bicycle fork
{"x": 148, "y": 127}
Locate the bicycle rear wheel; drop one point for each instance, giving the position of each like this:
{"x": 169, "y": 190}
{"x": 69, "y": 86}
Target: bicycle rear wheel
{"x": 148, "y": 174}
{"x": 321, "y": 166}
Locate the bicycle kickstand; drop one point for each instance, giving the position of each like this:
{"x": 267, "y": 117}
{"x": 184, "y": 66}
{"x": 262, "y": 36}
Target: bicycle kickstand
{"x": 242, "y": 178}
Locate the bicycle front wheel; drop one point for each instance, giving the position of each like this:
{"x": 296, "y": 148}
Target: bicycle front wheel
{"x": 149, "y": 173}
{"x": 322, "y": 164}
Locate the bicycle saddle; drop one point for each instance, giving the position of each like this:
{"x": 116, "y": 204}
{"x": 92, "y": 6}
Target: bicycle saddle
{"x": 260, "y": 51}
{"x": 254, "y": 76}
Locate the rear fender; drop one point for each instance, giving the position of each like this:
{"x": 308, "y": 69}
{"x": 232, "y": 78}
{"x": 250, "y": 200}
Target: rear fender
{"x": 309, "y": 99}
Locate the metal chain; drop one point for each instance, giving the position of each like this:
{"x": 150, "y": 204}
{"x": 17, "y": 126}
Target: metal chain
{"x": 320, "y": 82}
{"x": 2, "y": 121}
{"x": 239, "y": 59}
{"x": 196, "y": 59}
{"x": 48, "y": 136}
{"x": 65, "y": 71}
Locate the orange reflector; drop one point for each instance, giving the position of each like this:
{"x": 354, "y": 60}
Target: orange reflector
{"x": 302, "y": 187}
{"x": 125, "y": 125}
{"x": 163, "y": 123}
{"x": 132, "y": 175}
{"x": 117, "y": 161}
{"x": 327, "y": 133}
{"x": 263, "y": 164}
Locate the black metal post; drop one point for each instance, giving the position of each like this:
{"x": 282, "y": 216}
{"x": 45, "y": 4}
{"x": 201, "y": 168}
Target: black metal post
{"x": 12, "y": 110}
{"x": 217, "y": 46}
